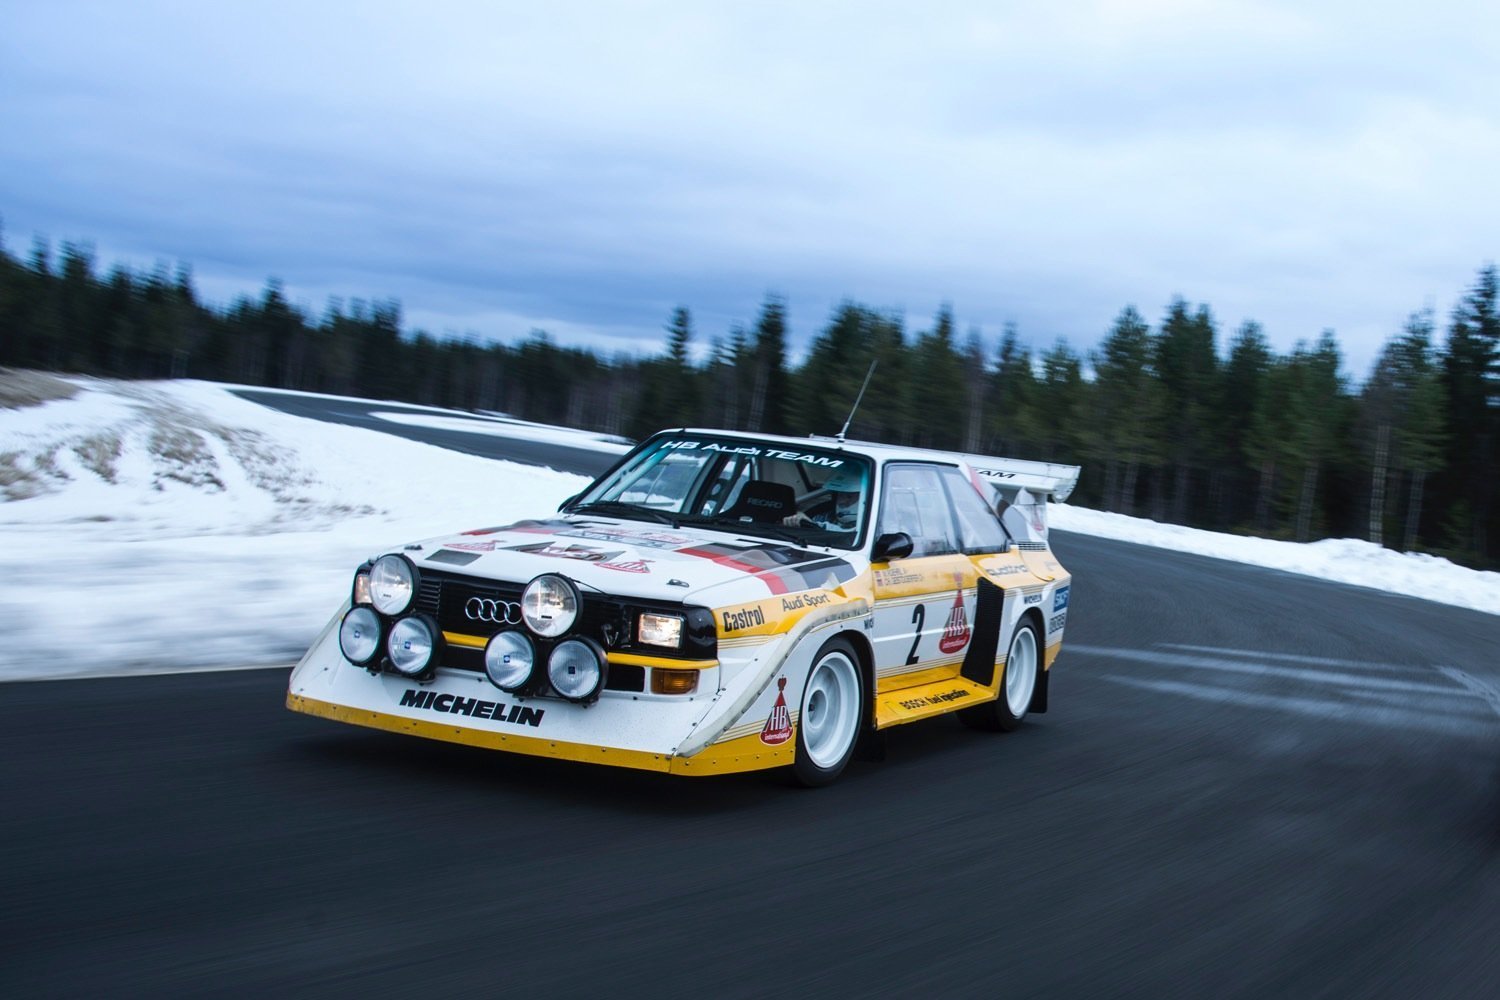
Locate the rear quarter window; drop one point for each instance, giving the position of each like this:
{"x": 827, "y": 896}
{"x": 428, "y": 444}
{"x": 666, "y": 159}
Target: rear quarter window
{"x": 979, "y": 528}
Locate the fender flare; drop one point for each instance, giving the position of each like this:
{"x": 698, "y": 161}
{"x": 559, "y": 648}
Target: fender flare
{"x": 702, "y": 736}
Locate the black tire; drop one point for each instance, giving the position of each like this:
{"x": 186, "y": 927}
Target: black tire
{"x": 831, "y": 716}
{"x": 1001, "y": 715}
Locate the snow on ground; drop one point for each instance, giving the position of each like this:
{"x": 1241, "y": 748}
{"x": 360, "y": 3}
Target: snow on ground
{"x": 163, "y": 526}
{"x": 169, "y": 525}
{"x": 1345, "y": 560}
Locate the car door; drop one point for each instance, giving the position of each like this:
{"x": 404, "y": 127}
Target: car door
{"x": 923, "y": 602}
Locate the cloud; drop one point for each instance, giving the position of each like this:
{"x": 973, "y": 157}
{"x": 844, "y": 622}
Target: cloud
{"x": 586, "y": 167}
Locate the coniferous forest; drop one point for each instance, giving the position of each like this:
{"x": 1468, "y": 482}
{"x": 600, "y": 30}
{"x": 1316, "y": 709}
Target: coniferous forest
{"x": 1164, "y": 424}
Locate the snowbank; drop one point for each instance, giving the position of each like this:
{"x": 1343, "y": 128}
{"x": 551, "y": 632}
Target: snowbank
{"x": 1345, "y": 560}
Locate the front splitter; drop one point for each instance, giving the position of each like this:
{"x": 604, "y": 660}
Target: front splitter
{"x": 747, "y": 753}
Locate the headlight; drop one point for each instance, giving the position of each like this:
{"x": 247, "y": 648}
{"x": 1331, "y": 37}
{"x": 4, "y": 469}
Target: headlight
{"x": 659, "y": 630}
{"x": 508, "y": 658}
{"x": 549, "y": 605}
{"x": 413, "y": 645}
{"x": 359, "y": 636}
{"x": 393, "y": 584}
{"x": 576, "y": 670}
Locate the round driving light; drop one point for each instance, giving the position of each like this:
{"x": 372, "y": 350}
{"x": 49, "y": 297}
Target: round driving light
{"x": 508, "y": 658}
{"x": 549, "y": 605}
{"x": 412, "y": 645}
{"x": 576, "y": 670}
{"x": 359, "y": 636}
{"x": 393, "y": 584}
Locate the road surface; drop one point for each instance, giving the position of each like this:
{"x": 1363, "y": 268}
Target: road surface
{"x": 1250, "y": 784}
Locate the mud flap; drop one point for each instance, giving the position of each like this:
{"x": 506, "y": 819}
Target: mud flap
{"x": 979, "y": 662}
{"x": 1039, "y": 696}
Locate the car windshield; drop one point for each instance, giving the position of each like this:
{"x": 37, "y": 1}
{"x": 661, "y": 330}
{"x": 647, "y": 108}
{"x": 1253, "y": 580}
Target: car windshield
{"x": 800, "y": 494}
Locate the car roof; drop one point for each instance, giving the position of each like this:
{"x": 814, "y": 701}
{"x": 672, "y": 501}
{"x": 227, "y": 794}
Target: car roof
{"x": 869, "y": 449}
{"x": 1045, "y": 478}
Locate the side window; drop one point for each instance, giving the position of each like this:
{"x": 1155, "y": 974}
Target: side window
{"x": 913, "y": 501}
{"x": 979, "y": 528}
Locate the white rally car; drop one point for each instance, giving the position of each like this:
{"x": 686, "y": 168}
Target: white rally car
{"x": 717, "y": 602}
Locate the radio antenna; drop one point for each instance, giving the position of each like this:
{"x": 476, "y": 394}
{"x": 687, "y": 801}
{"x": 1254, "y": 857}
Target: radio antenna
{"x": 857, "y": 400}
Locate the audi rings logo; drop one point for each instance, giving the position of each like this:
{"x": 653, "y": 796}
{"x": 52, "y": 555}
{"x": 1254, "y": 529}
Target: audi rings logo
{"x": 483, "y": 609}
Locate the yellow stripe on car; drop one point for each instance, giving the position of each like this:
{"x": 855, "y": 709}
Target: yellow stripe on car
{"x": 744, "y": 754}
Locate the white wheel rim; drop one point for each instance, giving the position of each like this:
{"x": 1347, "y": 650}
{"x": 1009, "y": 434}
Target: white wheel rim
{"x": 1020, "y": 671}
{"x": 830, "y": 709}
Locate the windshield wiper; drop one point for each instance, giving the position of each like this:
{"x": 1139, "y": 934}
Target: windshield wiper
{"x": 786, "y": 534}
{"x": 627, "y": 510}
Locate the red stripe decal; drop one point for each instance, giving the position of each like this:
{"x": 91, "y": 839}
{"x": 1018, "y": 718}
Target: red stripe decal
{"x": 773, "y": 583}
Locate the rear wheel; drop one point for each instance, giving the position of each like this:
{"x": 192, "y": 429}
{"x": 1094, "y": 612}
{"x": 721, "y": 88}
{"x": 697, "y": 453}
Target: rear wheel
{"x": 1023, "y": 665}
{"x": 828, "y": 722}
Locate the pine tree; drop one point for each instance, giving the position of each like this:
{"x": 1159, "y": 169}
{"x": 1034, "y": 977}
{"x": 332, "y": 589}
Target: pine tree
{"x": 939, "y": 381}
{"x": 79, "y": 312}
{"x": 891, "y": 409}
{"x": 1469, "y": 381}
{"x": 975, "y": 379}
{"x": 668, "y": 393}
{"x": 769, "y": 402}
{"x": 1187, "y": 367}
{"x": 1316, "y": 389}
{"x": 721, "y": 377}
{"x": 1419, "y": 429}
{"x": 277, "y": 326}
{"x": 1268, "y": 442}
{"x": 1062, "y": 398}
{"x": 679, "y": 337}
{"x": 1012, "y": 398}
{"x": 681, "y": 387}
{"x": 1242, "y": 383}
{"x": 829, "y": 380}
{"x": 1127, "y": 400}
{"x": 13, "y": 306}
{"x": 1380, "y": 408}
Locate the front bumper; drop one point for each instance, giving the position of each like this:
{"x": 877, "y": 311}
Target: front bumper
{"x": 622, "y": 729}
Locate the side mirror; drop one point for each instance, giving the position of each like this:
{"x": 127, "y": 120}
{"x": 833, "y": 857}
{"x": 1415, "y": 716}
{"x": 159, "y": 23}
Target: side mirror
{"x": 896, "y": 545}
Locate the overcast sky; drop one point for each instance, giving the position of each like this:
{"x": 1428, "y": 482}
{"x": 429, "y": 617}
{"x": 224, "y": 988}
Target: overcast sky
{"x": 586, "y": 167}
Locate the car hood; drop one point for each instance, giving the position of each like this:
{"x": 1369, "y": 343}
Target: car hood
{"x": 632, "y": 559}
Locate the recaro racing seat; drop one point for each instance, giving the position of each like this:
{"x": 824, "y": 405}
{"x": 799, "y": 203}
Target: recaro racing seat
{"x": 764, "y": 502}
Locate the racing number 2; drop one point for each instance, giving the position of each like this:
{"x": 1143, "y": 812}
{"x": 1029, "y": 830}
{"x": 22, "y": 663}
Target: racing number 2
{"x": 918, "y": 618}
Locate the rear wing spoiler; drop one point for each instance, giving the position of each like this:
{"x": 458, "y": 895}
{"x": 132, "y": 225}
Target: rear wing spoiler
{"x": 1009, "y": 475}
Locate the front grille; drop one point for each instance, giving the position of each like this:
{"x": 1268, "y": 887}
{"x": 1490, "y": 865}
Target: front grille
{"x": 445, "y": 595}
{"x": 607, "y": 620}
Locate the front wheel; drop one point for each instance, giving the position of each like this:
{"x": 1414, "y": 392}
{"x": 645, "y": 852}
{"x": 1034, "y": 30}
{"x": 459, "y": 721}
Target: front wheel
{"x": 829, "y": 720}
{"x": 1023, "y": 664}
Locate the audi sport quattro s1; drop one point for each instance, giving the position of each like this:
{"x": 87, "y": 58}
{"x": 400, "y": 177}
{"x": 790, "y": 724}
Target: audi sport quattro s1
{"x": 716, "y": 602}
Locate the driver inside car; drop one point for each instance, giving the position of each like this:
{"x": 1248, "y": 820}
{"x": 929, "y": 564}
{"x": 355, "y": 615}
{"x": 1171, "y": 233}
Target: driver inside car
{"x": 836, "y": 509}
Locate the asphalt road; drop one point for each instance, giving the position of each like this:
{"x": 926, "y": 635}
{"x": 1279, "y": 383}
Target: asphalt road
{"x": 1249, "y": 784}
{"x": 482, "y": 441}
